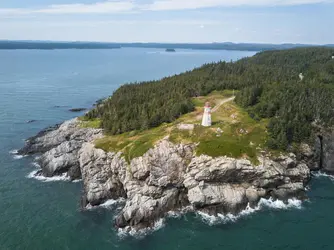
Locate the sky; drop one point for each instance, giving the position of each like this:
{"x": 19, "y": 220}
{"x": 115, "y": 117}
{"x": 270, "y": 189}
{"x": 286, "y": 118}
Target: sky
{"x": 170, "y": 21}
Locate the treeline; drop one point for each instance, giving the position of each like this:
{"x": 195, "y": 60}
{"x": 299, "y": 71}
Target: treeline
{"x": 269, "y": 86}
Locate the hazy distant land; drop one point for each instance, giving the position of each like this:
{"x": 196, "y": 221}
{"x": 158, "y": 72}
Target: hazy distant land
{"x": 47, "y": 45}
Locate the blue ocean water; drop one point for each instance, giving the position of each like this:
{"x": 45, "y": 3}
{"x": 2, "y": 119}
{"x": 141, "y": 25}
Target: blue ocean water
{"x": 43, "y": 85}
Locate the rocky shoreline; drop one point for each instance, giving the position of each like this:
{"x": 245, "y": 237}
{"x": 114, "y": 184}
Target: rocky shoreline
{"x": 171, "y": 177}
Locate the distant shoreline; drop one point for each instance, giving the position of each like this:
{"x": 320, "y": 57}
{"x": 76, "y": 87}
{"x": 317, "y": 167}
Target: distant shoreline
{"x": 50, "y": 45}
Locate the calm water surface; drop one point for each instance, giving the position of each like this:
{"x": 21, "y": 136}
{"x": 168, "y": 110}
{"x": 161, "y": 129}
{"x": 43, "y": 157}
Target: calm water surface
{"x": 42, "y": 86}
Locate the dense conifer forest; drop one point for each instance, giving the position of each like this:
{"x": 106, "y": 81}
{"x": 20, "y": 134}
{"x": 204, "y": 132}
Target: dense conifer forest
{"x": 269, "y": 87}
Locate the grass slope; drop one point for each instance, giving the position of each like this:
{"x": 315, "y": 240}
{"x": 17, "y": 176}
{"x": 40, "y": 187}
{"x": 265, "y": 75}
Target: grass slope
{"x": 241, "y": 136}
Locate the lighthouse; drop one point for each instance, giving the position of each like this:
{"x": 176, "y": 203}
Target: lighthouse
{"x": 301, "y": 76}
{"x": 206, "y": 120}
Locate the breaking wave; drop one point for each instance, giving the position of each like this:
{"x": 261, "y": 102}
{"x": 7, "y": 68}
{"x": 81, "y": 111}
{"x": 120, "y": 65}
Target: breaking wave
{"x": 79, "y": 180}
{"x": 263, "y": 203}
{"x": 178, "y": 213}
{"x": 107, "y": 204}
{"x": 35, "y": 175}
{"x": 278, "y": 204}
{"x": 225, "y": 218}
{"x": 139, "y": 234}
{"x": 320, "y": 174}
{"x": 15, "y": 154}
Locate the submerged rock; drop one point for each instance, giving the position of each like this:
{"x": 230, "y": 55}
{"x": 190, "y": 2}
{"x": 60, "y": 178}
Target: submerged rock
{"x": 31, "y": 121}
{"x": 77, "y": 109}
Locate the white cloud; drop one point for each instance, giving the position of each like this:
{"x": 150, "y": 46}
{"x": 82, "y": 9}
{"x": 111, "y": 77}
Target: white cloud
{"x": 198, "y": 4}
{"x": 122, "y": 6}
{"x": 117, "y": 6}
{"x": 102, "y": 7}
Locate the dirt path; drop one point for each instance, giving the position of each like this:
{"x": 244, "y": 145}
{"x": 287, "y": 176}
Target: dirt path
{"x": 221, "y": 103}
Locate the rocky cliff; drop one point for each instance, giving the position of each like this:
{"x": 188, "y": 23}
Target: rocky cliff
{"x": 168, "y": 177}
{"x": 327, "y": 152}
{"x": 59, "y": 146}
{"x": 319, "y": 154}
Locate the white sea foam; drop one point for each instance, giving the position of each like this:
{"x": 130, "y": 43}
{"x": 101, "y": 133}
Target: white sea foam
{"x": 178, "y": 213}
{"x": 263, "y": 203}
{"x": 75, "y": 181}
{"x": 226, "y": 218}
{"x": 107, "y": 204}
{"x": 35, "y": 164}
{"x": 139, "y": 234}
{"x": 15, "y": 154}
{"x": 34, "y": 175}
{"x": 174, "y": 214}
{"x": 278, "y": 204}
{"x": 319, "y": 174}
{"x": 17, "y": 157}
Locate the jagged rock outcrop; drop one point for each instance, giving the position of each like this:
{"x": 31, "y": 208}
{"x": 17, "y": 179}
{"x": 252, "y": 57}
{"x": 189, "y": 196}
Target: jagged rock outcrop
{"x": 319, "y": 155}
{"x": 101, "y": 174}
{"x": 59, "y": 147}
{"x": 232, "y": 184}
{"x": 168, "y": 177}
{"x": 327, "y": 149}
{"x": 311, "y": 154}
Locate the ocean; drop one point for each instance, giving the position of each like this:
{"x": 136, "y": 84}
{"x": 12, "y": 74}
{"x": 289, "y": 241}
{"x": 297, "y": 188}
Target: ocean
{"x": 38, "y": 87}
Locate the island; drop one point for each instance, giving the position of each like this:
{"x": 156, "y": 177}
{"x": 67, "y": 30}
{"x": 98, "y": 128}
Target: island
{"x": 170, "y": 50}
{"x": 146, "y": 146}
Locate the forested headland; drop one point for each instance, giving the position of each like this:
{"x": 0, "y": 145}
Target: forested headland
{"x": 269, "y": 87}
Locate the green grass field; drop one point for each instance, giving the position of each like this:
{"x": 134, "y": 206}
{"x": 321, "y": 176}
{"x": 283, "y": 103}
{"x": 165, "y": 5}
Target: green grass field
{"x": 89, "y": 123}
{"x": 241, "y": 136}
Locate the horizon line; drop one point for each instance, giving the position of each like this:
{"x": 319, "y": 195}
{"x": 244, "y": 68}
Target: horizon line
{"x": 137, "y": 42}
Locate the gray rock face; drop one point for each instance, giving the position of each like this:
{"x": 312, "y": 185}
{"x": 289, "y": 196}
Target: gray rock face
{"x": 100, "y": 173}
{"x": 232, "y": 184}
{"x": 327, "y": 160}
{"x": 60, "y": 158}
{"x": 168, "y": 177}
{"x": 311, "y": 155}
{"x": 60, "y": 146}
{"x": 320, "y": 155}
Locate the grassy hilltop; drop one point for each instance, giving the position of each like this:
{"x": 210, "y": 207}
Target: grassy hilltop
{"x": 273, "y": 108}
{"x": 233, "y": 132}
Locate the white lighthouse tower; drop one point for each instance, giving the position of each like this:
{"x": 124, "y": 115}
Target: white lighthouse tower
{"x": 206, "y": 120}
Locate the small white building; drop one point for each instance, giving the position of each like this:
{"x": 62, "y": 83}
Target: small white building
{"x": 206, "y": 120}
